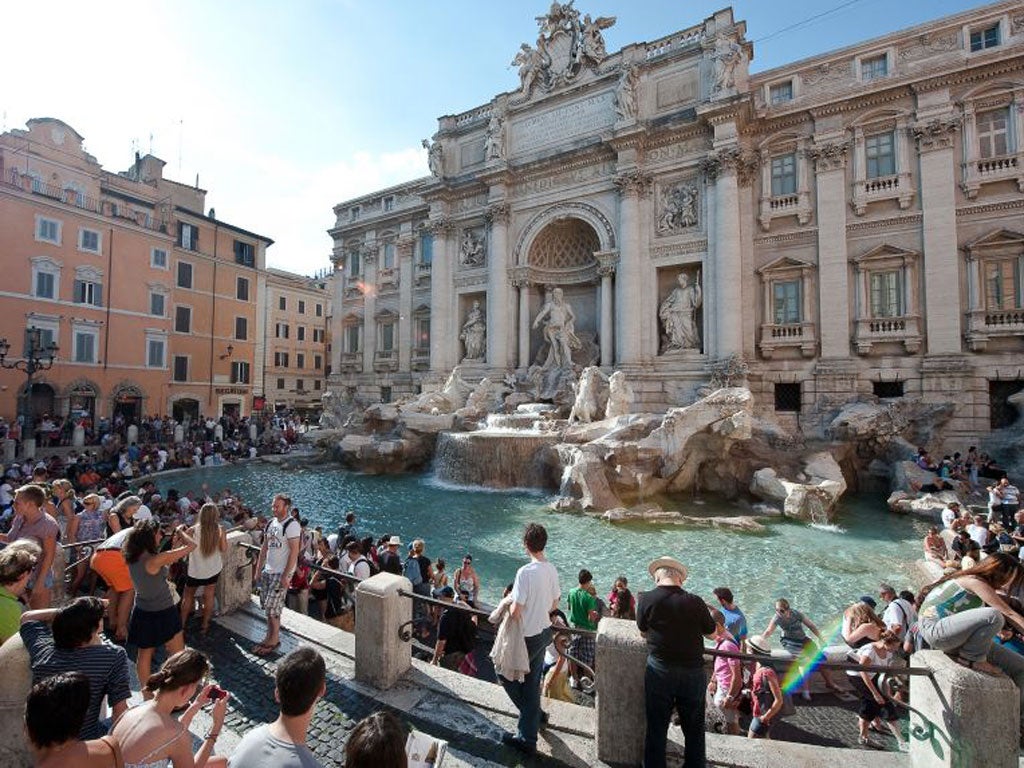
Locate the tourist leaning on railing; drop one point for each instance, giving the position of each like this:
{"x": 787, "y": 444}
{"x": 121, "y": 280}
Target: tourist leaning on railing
{"x": 54, "y": 713}
{"x": 16, "y": 566}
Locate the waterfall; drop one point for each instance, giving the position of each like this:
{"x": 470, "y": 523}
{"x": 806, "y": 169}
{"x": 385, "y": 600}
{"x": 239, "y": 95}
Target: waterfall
{"x": 507, "y": 459}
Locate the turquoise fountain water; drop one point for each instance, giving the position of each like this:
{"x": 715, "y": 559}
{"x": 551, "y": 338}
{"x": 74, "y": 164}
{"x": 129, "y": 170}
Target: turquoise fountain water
{"x": 819, "y": 569}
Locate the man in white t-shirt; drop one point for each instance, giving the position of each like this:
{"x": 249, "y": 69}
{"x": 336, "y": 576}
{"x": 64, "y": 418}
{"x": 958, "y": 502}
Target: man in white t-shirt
{"x": 279, "y": 556}
{"x": 899, "y": 612}
{"x": 950, "y": 513}
{"x": 535, "y": 594}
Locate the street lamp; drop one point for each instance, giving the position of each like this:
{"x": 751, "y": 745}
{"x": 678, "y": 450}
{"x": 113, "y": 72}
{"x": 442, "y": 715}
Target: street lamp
{"x": 37, "y": 358}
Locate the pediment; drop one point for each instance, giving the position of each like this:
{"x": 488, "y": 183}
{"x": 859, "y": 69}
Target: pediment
{"x": 386, "y": 315}
{"x": 784, "y": 263}
{"x": 1000, "y": 238}
{"x": 422, "y": 309}
{"x": 884, "y": 251}
{"x": 351, "y": 318}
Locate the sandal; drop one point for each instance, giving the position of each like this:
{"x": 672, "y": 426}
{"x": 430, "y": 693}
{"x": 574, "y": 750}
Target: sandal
{"x": 981, "y": 666}
{"x": 265, "y": 649}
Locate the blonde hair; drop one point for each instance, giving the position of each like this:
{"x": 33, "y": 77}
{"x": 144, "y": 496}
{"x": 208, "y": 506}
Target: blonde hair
{"x": 209, "y": 529}
{"x": 862, "y": 613}
{"x": 64, "y": 485}
{"x": 417, "y": 546}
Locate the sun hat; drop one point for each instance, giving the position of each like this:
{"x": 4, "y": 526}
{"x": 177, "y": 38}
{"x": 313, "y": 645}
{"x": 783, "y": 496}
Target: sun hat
{"x": 667, "y": 562}
{"x": 760, "y": 645}
{"x": 394, "y": 541}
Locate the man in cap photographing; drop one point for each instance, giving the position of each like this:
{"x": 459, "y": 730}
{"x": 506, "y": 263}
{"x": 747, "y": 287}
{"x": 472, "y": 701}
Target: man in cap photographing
{"x": 674, "y": 622}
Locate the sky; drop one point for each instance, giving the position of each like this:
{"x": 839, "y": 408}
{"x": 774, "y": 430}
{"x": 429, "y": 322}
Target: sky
{"x": 284, "y": 109}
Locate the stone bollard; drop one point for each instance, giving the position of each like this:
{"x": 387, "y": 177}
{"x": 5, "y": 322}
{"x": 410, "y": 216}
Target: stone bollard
{"x": 234, "y": 588}
{"x": 252, "y": 432}
{"x": 78, "y": 436}
{"x": 976, "y": 717}
{"x": 218, "y": 432}
{"x": 382, "y": 657}
{"x": 133, "y": 434}
{"x": 179, "y": 434}
{"x": 16, "y": 673}
{"x": 621, "y": 660}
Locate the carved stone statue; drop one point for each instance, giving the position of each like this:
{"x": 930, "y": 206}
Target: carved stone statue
{"x": 591, "y": 40}
{"x": 627, "y": 96}
{"x": 559, "y": 330}
{"x": 679, "y": 209}
{"x": 471, "y": 250}
{"x": 532, "y": 63}
{"x": 588, "y": 392}
{"x": 620, "y": 396}
{"x": 435, "y": 157}
{"x": 678, "y": 315}
{"x": 728, "y": 55}
{"x": 494, "y": 146}
{"x": 474, "y": 333}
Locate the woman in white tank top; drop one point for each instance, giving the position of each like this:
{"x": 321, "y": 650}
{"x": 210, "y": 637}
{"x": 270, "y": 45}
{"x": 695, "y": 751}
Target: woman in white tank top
{"x": 204, "y": 564}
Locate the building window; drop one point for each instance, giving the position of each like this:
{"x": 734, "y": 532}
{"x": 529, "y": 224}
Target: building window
{"x": 387, "y": 337}
{"x": 787, "y": 397}
{"x": 240, "y": 372}
{"x": 352, "y": 339}
{"x": 241, "y": 328}
{"x": 880, "y": 153}
{"x": 354, "y": 264}
{"x": 886, "y": 293}
{"x": 45, "y": 285}
{"x": 280, "y": 383}
{"x": 318, "y": 335}
{"x": 318, "y": 362}
{"x": 242, "y": 289}
{"x": 282, "y": 303}
{"x": 188, "y": 236}
{"x": 426, "y": 249}
{"x": 780, "y": 93}
{"x": 784, "y": 175}
{"x": 887, "y": 389}
{"x": 300, "y": 360}
{"x": 874, "y": 67}
{"x": 85, "y": 346}
{"x": 156, "y": 304}
{"x": 302, "y": 307}
{"x": 89, "y": 240}
{"x": 155, "y": 352}
{"x": 385, "y": 394}
{"x": 180, "y": 372}
{"x": 183, "y": 319}
{"x": 280, "y": 359}
{"x": 354, "y": 213}
{"x": 985, "y": 38}
{"x": 1003, "y": 284}
{"x": 47, "y": 334}
{"x": 184, "y": 274}
{"x": 88, "y": 292}
{"x": 388, "y": 203}
{"x": 48, "y": 230}
{"x": 422, "y": 333}
{"x": 245, "y": 254}
{"x": 319, "y": 310}
{"x": 281, "y": 330}
{"x": 300, "y": 333}
{"x": 786, "y": 302}
{"x": 300, "y": 385}
{"x": 389, "y": 255}
{"x": 316, "y": 384}
{"x": 158, "y": 258}
{"x": 993, "y": 136}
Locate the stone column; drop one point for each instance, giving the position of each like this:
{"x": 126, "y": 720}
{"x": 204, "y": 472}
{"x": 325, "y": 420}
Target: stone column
{"x": 369, "y": 265}
{"x": 405, "y": 321}
{"x": 441, "y": 336}
{"x": 234, "y": 588}
{"x": 633, "y": 185}
{"x": 498, "y": 321}
{"x": 606, "y": 261}
{"x": 621, "y": 655}
{"x": 938, "y": 222}
{"x": 726, "y": 293}
{"x": 382, "y": 657}
{"x": 829, "y": 157}
{"x": 969, "y": 718}
{"x": 520, "y": 280}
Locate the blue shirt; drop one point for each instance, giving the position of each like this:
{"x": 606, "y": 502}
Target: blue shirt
{"x": 735, "y": 622}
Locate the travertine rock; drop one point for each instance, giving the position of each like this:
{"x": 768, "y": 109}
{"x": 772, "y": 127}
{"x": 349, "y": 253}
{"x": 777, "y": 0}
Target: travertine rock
{"x": 814, "y": 498}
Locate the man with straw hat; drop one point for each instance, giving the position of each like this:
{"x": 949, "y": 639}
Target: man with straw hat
{"x": 674, "y": 622}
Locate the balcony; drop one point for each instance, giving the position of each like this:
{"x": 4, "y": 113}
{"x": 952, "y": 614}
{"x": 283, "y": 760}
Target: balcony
{"x": 421, "y": 272}
{"x": 387, "y": 279}
{"x": 992, "y": 169}
{"x": 984, "y": 324}
{"x": 774, "y": 336}
{"x": 905, "y": 330}
{"x": 352, "y": 362}
{"x": 421, "y": 358}
{"x": 897, "y": 187}
{"x": 797, "y": 204}
{"x": 385, "y": 360}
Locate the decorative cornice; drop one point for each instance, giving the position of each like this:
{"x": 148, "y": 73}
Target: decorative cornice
{"x": 471, "y": 279}
{"x": 936, "y": 134}
{"x": 677, "y": 249}
{"x": 1006, "y": 205}
{"x": 911, "y": 219}
{"x": 633, "y": 183}
{"x": 828, "y": 156}
{"x": 497, "y": 213}
{"x": 802, "y": 236}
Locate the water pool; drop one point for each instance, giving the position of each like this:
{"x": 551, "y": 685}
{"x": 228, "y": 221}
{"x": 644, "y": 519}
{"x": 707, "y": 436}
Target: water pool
{"x": 820, "y": 570}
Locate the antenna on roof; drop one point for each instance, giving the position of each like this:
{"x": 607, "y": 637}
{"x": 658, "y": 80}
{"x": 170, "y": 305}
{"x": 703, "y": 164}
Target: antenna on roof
{"x": 151, "y": 142}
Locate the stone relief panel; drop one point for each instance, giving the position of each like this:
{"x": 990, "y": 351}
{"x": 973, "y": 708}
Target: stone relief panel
{"x": 678, "y": 207}
{"x": 472, "y": 247}
{"x": 677, "y": 89}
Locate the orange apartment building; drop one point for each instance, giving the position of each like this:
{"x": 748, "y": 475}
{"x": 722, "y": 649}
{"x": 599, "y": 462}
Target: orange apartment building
{"x": 155, "y": 305}
{"x": 298, "y": 310}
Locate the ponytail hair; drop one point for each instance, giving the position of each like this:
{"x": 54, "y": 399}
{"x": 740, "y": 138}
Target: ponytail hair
{"x": 183, "y": 668}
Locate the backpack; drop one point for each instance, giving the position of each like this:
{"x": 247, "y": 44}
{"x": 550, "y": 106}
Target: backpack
{"x": 411, "y": 570}
{"x": 374, "y": 568}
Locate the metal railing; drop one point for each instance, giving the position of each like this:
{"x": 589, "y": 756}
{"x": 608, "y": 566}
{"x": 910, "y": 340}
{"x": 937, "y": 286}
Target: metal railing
{"x": 86, "y": 552}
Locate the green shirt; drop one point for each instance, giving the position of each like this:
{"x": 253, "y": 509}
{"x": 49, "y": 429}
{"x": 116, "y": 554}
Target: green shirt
{"x": 10, "y": 614}
{"x": 581, "y": 603}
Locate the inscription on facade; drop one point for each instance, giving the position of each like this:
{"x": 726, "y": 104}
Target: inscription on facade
{"x": 564, "y": 179}
{"x": 471, "y": 153}
{"x": 563, "y": 123}
{"x": 679, "y": 88}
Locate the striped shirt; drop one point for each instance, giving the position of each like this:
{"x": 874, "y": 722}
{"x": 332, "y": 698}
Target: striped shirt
{"x": 105, "y": 665}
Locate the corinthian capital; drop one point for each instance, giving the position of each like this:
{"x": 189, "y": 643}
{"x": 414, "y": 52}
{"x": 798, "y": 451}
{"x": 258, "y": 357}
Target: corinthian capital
{"x": 633, "y": 183}
{"x": 936, "y": 134}
{"x": 829, "y": 156}
{"x": 442, "y": 226}
{"x": 497, "y": 213}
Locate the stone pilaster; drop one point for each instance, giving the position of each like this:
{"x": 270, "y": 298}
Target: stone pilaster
{"x": 606, "y": 263}
{"x": 726, "y": 291}
{"x": 499, "y": 325}
{"x": 833, "y": 268}
{"x": 369, "y": 265}
{"x": 633, "y": 185}
{"x": 405, "y": 322}
{"x": 938, "y": 208}
{"x": 442, "y": 336}
{"x": 519, "y": 277}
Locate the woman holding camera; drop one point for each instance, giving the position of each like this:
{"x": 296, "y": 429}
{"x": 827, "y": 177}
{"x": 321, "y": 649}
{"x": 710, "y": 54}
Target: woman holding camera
{"x": 155, "y": 618}
{"x": 151, "y": 737}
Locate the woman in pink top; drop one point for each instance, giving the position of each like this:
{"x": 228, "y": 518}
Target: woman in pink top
{"x": 727, "y": 680}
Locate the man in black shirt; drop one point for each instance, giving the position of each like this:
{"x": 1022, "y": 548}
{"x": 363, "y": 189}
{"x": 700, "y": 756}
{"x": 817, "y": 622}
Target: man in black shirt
{"x": 456, "y": 634}
{"x": 390, "y": 562}
{"x": 673, "y": 621}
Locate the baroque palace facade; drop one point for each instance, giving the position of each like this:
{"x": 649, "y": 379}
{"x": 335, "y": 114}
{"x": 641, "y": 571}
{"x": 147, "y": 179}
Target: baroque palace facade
{"x": 850, "y": 224}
